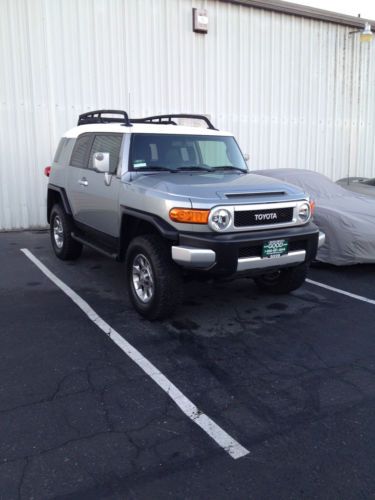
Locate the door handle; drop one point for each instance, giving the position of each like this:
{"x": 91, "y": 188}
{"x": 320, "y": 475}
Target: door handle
{"x": 83, "y": 182}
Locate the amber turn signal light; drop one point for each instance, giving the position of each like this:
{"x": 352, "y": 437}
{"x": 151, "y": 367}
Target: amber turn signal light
{"x": 312, "y": 207}
{"x": 189, "y": 215}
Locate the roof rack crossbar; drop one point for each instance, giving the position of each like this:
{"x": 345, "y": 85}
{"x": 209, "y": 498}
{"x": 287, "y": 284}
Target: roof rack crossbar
{"x": 96, "y": 117}
{"x": 160, "y": 119}
{"x": 154, "y": 120}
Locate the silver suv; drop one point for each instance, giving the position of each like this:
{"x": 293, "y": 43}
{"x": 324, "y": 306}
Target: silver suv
{"x": 172, "y": 200}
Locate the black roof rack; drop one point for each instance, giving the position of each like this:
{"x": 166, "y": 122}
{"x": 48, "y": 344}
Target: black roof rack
{"x": 168, "y": 119}
{"x": 96, "y": 117}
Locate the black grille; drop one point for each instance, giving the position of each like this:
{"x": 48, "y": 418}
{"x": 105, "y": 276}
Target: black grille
{"x": 244, "y": 218}
{"x": 255, "y": 251}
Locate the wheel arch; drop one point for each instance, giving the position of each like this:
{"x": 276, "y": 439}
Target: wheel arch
{"x": 55, "y": 195}
{"x": 136, "y": 223}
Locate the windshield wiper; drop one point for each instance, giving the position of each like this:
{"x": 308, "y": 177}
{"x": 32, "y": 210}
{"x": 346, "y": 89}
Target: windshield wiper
{"x": 155, "y": 168}
{"x": 230, "y": 167}
{"x": 192, "y": 168}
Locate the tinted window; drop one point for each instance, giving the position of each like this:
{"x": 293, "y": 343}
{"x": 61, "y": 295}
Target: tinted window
{"x": 80, "y": 151}
{"x": 59, "y": 150}
{"x": 185, "y": 151}
{"x": 109, "y": 143}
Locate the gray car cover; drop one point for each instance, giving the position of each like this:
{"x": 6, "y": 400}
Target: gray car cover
{"x": 347, "y": 218}
{"x": 358, "y": 185}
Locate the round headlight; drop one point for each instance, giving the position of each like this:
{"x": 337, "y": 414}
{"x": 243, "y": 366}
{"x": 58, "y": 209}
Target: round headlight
{"x": 220, "y": 219}
{"x": 304, "y": 212}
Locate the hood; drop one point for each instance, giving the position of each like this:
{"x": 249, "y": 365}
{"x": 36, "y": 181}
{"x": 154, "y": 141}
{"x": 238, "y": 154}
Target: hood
{"x": 226, "y": 188}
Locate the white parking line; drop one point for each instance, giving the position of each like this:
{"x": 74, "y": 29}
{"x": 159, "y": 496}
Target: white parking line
{"x": 342, "y": 292}
{"x": 218, "y": 434}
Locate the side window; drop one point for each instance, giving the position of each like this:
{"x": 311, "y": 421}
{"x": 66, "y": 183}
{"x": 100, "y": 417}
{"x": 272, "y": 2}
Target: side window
{"x": 80, "y": 151}
{"x": 108, "y": 143}
{"x": 59, "y": 150}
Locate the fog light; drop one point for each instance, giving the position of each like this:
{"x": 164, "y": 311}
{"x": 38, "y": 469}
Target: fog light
{"x": 220, "y": 219}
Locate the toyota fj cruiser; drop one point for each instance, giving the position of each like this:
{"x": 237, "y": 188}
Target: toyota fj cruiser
{"x": 173, "y": 200}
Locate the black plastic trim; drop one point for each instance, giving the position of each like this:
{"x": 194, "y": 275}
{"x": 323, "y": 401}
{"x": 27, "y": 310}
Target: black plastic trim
{"x": 63, "y": 196}
{"x": 165, "y": 229}
{"x": 227, "y": 246}
{"x": 108, "y": 243}
{"x": 94, "y": 246}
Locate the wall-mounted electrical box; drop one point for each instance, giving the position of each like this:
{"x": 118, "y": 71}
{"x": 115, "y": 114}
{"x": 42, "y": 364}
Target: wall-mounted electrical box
{"x": 200, "y": 21}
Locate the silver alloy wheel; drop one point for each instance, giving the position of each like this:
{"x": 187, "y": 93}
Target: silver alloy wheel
{"x": 58, "y": 232}
{"x": 143, "y": 279}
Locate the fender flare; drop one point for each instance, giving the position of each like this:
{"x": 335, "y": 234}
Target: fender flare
{"x": 63, "y": 196}
{"x": 166, "y": 230}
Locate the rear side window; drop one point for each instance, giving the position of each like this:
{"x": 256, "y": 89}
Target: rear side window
{"x": 81, "y": 151}
{"x": 59, "y": 150}
{"x": 107, "y": 143}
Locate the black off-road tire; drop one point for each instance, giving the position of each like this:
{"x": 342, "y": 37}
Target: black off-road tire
{"x": 167, "y": 278}
{"x": 70, "y": 249}
{"x": 283, "y": 281}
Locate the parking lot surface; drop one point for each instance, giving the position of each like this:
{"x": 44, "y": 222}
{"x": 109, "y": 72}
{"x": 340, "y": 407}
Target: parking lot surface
{"x": 289, "y": 378}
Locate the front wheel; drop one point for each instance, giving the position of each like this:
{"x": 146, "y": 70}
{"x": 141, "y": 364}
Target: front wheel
{"x": 154, "y": 281}
{"x": 282, "y": 281}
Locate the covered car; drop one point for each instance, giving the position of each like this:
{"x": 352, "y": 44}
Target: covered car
{"x": 361, "y": 185}
{"x": 347, "y": 218}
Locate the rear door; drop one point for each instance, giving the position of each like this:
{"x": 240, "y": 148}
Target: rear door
{"x": 77, "y": 171}
{"x": 96, "y": 197}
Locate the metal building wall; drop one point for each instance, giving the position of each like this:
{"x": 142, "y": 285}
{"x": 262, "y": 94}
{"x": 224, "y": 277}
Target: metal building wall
{"x": 296, "y": 92}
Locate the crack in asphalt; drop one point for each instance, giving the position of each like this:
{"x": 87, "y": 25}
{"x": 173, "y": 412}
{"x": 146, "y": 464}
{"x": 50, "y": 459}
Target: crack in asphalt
{"x": 249, "y": 363}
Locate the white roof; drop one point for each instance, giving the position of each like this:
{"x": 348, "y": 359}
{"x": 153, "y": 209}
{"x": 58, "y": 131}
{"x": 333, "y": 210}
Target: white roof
{"x": 142, "y": 128}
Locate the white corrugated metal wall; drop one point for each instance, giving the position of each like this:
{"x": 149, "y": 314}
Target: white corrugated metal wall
{"x": 296, "y": 92}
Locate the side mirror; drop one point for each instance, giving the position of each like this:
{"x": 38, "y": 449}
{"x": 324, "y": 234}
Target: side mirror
{"x": 246, "y": 156}
{"x": 101, "y": 162}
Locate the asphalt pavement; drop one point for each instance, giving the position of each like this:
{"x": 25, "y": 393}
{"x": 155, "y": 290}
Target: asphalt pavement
{"x": 289, "y": 378}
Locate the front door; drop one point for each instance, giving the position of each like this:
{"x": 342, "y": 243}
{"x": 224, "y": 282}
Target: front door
{"x": 94, "y": 195}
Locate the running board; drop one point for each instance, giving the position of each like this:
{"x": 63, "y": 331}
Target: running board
{"x": 101, "y": 250}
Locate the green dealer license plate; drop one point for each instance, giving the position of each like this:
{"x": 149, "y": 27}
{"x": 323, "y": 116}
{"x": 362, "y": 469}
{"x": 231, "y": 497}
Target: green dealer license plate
{"x": 274, "y": 248}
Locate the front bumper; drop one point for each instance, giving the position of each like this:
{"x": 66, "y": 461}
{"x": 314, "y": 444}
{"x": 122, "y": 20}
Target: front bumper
{"x": 226, "y": 254}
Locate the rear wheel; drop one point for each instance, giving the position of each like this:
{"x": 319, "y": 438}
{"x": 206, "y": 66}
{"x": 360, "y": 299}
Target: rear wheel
{"x": 154, "y": 281}
{"x": 282, "y": 281}
{"x": 61, "y": 227}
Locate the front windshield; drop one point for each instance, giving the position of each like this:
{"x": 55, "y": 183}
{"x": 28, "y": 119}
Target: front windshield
{"x": 185, "y": 152}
